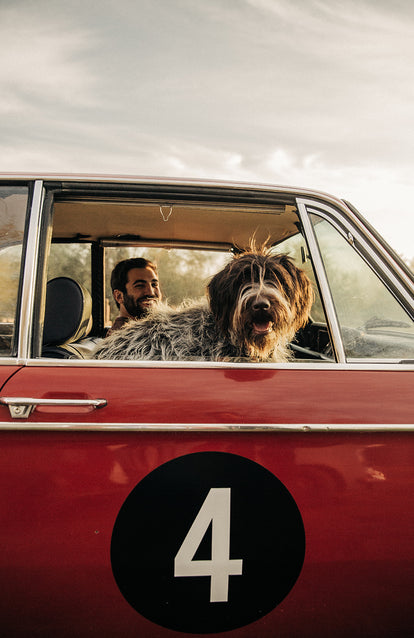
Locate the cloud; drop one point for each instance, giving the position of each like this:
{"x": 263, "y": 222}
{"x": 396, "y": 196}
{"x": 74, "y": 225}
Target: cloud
{"x": 380, "y": 193}
{"x": 42, "y": 63}
{"x": 316, "y": 93}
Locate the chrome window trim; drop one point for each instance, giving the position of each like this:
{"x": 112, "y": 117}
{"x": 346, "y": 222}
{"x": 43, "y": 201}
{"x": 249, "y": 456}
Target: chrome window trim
{"x": 380, "y": 364}
{"x": 302, "y": 428}
{"x": 30, "y": 272}
{"x": 322, "y": 280}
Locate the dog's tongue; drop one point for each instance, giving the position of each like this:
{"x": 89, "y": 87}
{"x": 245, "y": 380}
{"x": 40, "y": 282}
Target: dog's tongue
{"x": 262, "y": 328}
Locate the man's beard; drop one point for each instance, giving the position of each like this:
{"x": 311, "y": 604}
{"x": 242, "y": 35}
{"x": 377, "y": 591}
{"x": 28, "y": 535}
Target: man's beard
{"x": 134, "y": 307}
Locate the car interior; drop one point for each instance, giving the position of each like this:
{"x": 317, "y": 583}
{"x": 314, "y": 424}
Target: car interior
{"x": 189, "y": 239}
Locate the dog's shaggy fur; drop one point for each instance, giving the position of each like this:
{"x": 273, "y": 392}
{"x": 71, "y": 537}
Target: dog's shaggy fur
{"x": 255, "y": 306}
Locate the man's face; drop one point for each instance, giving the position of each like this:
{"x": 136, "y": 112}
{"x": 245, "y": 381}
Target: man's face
{"x": 142, "y": 292}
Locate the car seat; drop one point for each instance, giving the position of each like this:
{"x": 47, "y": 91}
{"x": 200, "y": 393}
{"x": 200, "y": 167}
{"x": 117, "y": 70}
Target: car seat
{"x": 68, "y": 318}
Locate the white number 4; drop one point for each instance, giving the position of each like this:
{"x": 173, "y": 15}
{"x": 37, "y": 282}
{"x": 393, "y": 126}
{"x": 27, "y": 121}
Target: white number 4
{"x": 215, "y": 509}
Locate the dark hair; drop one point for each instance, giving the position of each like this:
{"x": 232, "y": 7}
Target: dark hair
{"x": 119, "y": 276}
{"x": 253, "y": 267}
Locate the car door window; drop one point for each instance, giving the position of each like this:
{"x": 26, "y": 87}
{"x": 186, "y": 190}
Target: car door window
{"x": 372, "y": 322}
{"x": 13, "y": 206}
{"x": 188, "y": 239}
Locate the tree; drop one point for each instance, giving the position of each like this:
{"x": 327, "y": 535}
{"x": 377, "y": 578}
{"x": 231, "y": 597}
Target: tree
{"x": 183, "y": 274}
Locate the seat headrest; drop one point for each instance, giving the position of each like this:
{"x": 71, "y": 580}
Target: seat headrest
{"x": 68, "y": 312}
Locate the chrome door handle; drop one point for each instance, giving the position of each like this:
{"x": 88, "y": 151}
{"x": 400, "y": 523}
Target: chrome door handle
{"x": 22, "y": 407}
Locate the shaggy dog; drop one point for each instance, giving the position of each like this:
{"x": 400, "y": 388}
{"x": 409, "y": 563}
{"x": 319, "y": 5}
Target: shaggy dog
{"x": 255, "y": 306}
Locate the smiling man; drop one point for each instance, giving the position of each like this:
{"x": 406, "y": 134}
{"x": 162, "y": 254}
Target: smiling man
{"x": 135, "y": 288}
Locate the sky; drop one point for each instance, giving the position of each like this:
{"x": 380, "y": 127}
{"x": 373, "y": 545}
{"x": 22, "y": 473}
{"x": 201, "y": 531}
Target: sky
{"x": 309, "y": 93}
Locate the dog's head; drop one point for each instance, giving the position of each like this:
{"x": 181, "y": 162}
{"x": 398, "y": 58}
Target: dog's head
{"x": 260, "y": 300}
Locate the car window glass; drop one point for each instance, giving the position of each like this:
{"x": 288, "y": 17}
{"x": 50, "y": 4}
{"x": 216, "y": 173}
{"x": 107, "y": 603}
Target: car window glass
{"x": 13, "y": 205}
{"x": 372, "y": 322}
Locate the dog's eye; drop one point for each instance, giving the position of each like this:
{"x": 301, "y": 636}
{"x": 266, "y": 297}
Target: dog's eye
{"x": 249, "y": 289}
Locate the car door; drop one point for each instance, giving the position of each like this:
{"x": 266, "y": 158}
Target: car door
{"x": 157, "y": 498}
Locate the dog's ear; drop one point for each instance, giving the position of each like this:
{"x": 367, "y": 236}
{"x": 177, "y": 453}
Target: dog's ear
{"x": 298, "y": 289}
{"x": 304, "y": 299}
{"x": 221, "y": 294}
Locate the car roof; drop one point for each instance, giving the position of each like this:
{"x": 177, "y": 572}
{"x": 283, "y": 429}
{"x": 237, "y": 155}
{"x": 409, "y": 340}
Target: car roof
{"x": 297, "y": 191}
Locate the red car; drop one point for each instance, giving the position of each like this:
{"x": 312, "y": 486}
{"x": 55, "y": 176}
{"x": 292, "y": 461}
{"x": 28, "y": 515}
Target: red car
{"x": 163, "y": 498}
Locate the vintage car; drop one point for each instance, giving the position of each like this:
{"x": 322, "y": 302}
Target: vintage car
{"x": 163, "y": 498}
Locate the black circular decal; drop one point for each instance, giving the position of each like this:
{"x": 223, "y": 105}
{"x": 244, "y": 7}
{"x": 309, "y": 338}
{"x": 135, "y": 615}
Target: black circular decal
{"x": 207, "y": 542}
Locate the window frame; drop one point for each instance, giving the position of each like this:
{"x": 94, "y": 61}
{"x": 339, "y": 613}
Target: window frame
{"x": 28, "y": 268}
{"x": 42, "y": 195}
{"x": 368, "y": 248}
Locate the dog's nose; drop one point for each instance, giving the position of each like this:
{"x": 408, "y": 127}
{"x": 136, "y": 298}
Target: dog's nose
{"x": 261, "y": 304}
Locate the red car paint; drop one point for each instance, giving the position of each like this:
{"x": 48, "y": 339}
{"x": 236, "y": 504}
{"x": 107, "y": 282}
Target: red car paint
{"x": 62, "y": 493}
